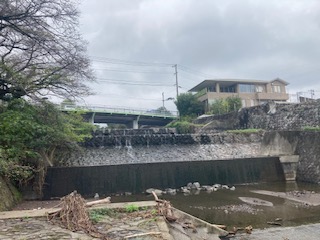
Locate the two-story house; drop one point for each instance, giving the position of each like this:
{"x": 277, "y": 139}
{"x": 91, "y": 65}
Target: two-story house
{"x": 251, "y": 92}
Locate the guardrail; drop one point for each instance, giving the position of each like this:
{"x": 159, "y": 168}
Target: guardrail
{"x": 119, "y": 110}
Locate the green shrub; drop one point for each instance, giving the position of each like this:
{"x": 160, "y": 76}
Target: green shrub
{"x": 183, "y": 127}
{"x": 132, "y": 208}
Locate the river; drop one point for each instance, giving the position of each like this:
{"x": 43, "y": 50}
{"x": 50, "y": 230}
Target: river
{"x": 225, "y": 207}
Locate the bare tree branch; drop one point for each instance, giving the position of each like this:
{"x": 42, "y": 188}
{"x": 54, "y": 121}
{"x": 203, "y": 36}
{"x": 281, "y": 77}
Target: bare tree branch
{"x": 41, "y": 48}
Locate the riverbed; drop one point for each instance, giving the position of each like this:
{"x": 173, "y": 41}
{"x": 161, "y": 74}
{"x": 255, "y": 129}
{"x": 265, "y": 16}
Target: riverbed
{"x": 225, "y": 207}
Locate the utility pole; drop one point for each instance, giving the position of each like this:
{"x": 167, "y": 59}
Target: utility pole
{"x": 312, "y": 93}
{"x": 176, "y": 73}
{"x": 163, "y": 100}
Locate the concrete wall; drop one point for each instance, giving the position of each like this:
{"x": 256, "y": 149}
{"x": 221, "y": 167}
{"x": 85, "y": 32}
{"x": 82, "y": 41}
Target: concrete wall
{"x": 268, "y": 117}
{"x": 302, "y": 143}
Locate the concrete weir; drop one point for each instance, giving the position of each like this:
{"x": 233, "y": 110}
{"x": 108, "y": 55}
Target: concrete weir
{"x": 137, "y": 178}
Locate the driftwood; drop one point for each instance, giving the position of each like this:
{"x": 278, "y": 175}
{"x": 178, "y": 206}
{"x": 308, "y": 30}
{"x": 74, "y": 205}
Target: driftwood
{"x": 248, "y": 229}
{"x": 142, "y": 235}
{"x": 166, "y": 211}
{"x": 73, "y": 215}
{"x": 87, "y": 204}
{"x": 274, "y": 223}
{"x": 165, "y": 208}
{"x": 102, "y": 201}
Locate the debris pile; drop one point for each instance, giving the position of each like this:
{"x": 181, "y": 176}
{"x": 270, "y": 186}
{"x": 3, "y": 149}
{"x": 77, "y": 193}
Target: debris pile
{"x": 73, "y": 215}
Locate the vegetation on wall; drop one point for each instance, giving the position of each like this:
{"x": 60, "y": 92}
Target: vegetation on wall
{"x": 310, "y": 128}
{"x": 221, "y": 106}
{"x": 31, "y": 135}
{"x": 182, "y": 127}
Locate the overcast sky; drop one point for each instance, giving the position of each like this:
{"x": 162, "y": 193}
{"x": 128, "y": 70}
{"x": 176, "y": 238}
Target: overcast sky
{"x": 134, "y": 43}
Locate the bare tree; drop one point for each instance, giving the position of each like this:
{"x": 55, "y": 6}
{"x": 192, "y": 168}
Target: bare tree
{"x": 41, "y": 49}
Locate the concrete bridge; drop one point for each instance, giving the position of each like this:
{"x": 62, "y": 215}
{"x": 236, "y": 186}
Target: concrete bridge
{"x": 132, "y": 118}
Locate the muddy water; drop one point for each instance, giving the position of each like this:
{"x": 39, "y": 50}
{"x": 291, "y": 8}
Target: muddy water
{"x": 225, "y": 207}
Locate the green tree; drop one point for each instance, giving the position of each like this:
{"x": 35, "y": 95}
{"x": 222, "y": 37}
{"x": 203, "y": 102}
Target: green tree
{"x": 234, "y": 103}
{"x": 221, "y": 106}
{"x": 31, "y": 135}
{"x": 188, "y": 105}
{"x": 164, "y": 111}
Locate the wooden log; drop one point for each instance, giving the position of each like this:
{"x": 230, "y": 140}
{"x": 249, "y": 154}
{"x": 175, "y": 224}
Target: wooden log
{"x": 142, "y": 235}
{"x": 274, "y": 223}
{"x": 105, "y": 200}
{"x": 88, "y": 204}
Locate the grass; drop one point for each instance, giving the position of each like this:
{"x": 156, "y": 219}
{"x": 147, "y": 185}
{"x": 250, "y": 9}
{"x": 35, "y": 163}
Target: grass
{"x": 131, "y": 208}
{"x": 249, "y": 130}
{"x": 309, "y": 128}
{"x": 96, "y": 215}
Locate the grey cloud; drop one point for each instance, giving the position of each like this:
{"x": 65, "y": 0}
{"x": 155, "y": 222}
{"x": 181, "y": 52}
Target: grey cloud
{"x": 241, "y": 39}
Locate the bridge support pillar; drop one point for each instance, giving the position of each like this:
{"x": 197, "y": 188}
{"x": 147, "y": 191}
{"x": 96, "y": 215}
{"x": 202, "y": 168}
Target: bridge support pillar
{"x": 289, "y": 165}
{"x": 91, "y": 120}
{"x": 135, "y": 123}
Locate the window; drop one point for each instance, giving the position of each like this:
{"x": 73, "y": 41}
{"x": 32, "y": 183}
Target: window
{"x": 259, "y": 89}
{"x": 227, "y": 89}
{"x": 212, "y": 89}
{"x": 276, "y": 89}
{"x": 246, "y": 88}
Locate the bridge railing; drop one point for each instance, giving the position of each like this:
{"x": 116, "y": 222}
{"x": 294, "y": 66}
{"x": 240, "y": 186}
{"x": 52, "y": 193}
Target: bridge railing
{"x": 119, "y": 110}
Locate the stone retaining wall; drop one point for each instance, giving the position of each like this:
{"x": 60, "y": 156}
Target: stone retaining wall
{"x": 303, "y": 143}
{"x": 105, "y": 149}
{"x": 269, "y": 117}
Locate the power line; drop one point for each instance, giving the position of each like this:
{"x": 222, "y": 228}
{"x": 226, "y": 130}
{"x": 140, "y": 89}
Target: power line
{"x": 121, "y": 96}
{"x": 130, "y": 82}
{"x": 125, "y": 62}
{"x": 192, "y": 71}
{"x": 130, "y": 70}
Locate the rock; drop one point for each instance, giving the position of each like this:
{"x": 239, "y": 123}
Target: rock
{"x": 185, "y": 190}
{"x": 196, "y": 185}
{"x": 207, "y": 188}
{"x": 170, "y": 191}
{"x": 217, "y": 186}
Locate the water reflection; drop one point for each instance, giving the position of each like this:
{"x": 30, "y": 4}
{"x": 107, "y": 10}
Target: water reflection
{"x": 225, "y": 207}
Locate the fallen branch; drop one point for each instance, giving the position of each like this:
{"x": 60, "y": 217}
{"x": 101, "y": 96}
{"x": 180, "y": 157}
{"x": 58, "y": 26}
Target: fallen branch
{"x": 142, "y": 235}
{"x": 165, "y": 208}
{"x": 274, "y": 223}
{"x": 105, "y": 200}
{"x": 87, "y": 204}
